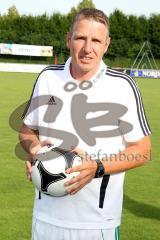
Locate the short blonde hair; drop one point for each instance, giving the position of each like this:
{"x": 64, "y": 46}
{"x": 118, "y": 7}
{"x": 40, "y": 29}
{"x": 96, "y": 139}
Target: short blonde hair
{"x": 90, "y": 13}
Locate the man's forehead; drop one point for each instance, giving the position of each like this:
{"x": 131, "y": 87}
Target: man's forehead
{"x": 89, "y": 20}
{"x": 85, "y": 30}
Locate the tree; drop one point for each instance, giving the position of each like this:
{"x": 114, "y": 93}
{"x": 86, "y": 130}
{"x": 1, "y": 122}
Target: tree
{"x": 143, "y": 27}
{"x": 118, "y": 31}
{"x": 85, "y": 4}
{"x": 127, "y": 32}
{"x": 13, "y": 12}
{"x": 118, "y": 25}
{"x": 154, "y": 34}
{"x": 134, "y": 32}
{"x": 81, "y": 5}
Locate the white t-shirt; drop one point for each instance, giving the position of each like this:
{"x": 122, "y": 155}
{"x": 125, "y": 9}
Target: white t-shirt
{"x": 88, "y": 111}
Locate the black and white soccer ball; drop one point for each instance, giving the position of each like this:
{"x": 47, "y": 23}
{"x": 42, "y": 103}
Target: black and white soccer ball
{"x": 48, "y": 171}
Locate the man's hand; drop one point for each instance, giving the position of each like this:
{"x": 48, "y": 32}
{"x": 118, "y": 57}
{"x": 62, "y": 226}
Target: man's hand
{"x": 28, "y": 170}
{"x": 32, "y": 156}
{"x": 86, "y": 171}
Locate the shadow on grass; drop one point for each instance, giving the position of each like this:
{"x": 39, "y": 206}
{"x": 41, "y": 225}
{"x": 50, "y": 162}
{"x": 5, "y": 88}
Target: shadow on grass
{"x": 141, "y": 209}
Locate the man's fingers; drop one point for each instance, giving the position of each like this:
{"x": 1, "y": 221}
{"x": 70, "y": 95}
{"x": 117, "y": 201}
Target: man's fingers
{"x": 75, "y": 187}
{"x": 29, "y": 176}
{"x": 34, "y": 149}
{"x": 28, "y": 170}
{"x": 46, "y": 142}
{"x": 28, "y": 165}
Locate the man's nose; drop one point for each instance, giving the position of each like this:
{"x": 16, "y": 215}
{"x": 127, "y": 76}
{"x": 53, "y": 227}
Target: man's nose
{"x": 87, "y": 46}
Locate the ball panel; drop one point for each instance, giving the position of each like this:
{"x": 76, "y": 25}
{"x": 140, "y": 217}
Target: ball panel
{"x": 36, "y": 177}
{"x": 49, "y": 176}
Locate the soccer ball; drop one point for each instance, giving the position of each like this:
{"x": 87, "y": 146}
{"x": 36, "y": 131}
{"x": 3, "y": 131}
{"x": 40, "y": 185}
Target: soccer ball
{"x": 48, "y": 170}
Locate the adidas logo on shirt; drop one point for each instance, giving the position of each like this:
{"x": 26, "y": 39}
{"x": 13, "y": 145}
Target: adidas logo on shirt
{"x": 52, "y": 101}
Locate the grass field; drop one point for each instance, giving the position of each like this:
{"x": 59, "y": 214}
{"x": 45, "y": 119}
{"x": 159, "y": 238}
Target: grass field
{"x": 141, "y": 212}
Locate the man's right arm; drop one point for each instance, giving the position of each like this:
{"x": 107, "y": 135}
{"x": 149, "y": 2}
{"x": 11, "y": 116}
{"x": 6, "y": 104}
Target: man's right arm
{"x": 29, "y": 140}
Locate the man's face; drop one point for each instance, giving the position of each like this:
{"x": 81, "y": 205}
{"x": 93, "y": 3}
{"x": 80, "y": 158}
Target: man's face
{"x": 88, "y": 43}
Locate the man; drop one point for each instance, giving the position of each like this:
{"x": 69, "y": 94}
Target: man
{"x": 115, "y": 135}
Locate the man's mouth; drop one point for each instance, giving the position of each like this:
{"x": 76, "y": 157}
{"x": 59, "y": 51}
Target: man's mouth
{"x": 85, "y": 59}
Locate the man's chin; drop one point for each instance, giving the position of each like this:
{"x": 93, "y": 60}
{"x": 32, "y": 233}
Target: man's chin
{"x": 86, "y": 67}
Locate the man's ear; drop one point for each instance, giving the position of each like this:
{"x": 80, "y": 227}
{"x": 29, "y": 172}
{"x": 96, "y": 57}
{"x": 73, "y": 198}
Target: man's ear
{"x": 68, "y": 40}
{"x": 107, "y": 43}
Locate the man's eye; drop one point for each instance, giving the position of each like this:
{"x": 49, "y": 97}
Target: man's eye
{"x": 80, "y": 38}
{"x": 96, "y": 40}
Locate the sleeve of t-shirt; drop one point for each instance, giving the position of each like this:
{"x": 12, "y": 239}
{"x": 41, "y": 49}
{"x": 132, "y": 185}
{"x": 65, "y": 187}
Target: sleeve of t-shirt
{"x": 135, "y": 116}
{"x": 31, "y": 116}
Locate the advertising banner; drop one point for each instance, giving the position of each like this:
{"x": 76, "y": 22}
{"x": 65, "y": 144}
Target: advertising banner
{"x": 5, "y": 48}
{"x": 26, "y": 50}
{"x": 145, "y": 73}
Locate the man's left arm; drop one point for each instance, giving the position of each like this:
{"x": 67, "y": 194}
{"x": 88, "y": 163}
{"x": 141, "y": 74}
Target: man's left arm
{"x": 136, "y": 154}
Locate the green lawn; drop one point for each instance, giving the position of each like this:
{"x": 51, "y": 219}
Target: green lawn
{"x": 141, "y": 212}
